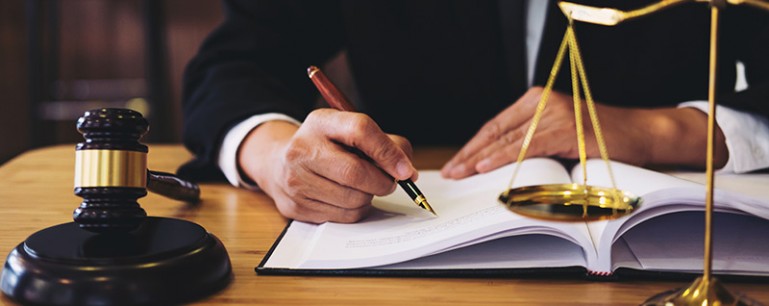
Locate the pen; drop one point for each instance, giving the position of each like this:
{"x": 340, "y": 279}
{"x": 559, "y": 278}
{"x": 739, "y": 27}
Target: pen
{"x": 337, "y": 100}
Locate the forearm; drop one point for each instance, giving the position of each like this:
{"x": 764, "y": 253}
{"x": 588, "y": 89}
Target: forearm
{"x": 678, "y": 136}
{"x": 747, "y": 137}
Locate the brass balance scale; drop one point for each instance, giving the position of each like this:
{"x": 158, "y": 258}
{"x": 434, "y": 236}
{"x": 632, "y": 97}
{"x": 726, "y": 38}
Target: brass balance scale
{"x": 582, "y": 202}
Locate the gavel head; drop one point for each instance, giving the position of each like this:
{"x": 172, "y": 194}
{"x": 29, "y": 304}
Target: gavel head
{"x": 110, "y": 170}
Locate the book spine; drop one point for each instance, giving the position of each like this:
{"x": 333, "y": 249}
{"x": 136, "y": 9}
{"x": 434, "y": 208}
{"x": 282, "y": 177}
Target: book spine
{"x": 599, "y": 275}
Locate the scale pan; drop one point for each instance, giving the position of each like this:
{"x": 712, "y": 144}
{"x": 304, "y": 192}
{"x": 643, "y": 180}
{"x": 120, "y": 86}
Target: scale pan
{"x": 570, "y": 202}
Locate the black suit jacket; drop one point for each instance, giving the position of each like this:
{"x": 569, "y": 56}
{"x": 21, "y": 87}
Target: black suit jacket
{"x": 435, "y": 70}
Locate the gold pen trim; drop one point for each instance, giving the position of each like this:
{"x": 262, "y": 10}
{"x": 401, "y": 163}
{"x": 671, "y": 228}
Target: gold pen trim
{"x": 422, "y": 202}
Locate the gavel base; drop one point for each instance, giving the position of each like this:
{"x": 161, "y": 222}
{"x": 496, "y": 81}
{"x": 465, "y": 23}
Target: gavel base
{"x": 165, "y": 261}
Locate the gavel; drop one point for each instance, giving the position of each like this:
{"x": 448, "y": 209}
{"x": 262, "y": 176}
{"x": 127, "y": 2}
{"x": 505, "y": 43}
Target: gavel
{"x": 111, "y": 172}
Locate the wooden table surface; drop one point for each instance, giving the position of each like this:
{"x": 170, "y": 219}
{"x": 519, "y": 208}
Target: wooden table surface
{"x": 36, "y": 192}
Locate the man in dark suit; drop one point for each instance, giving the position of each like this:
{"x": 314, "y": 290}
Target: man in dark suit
{"x": 451, "y": 73}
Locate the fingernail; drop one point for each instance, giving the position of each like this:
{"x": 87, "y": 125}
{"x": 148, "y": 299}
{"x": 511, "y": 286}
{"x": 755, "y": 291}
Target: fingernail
{"x": 483, "y": 165}
{"x": 404, "y": 169}
{"x": 445, "y": 170}
{"x": 458, "y": 171}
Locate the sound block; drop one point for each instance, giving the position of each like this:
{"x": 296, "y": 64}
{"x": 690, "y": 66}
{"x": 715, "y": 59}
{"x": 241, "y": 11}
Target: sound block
{"x": 164, "y": 261}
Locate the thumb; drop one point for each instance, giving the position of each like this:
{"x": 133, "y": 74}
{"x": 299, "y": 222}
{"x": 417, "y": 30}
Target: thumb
{"x": 406, "y": 147}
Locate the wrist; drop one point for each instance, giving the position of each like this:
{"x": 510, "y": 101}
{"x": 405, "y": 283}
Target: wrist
{"x": 679, "y": 137}
{"x": 260, "y": 151}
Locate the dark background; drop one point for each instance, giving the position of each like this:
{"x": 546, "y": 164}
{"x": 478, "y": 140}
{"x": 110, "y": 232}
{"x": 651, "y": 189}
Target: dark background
{"x": 61, "y": 57}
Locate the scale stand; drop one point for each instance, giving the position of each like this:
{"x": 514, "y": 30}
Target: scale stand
{"x": 705, "y": 290}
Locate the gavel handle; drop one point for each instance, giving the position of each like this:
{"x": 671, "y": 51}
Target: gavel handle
{"x": 171, "y": 186}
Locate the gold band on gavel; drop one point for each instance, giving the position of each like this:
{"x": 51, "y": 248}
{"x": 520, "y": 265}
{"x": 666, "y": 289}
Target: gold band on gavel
{"x": 110, "y": 168}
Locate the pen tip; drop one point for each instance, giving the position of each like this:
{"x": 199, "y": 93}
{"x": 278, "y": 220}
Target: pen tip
{"x": 427, "y": 207}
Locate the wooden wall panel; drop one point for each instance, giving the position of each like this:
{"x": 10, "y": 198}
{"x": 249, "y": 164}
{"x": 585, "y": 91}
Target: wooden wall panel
{"x": 99, "y": 40}
{"x": 14, "y": 136}
{"x": 188, "y": 23}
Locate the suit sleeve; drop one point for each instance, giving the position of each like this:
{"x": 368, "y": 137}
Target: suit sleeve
{"x": 255, "y": 62}
{"x": 744, "y": 36}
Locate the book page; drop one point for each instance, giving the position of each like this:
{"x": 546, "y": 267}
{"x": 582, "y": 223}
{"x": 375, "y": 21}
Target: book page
{"x": 749, "y": 184}
{"x": 674, "y": 242}
{"x": 662, "y": 195}
{"x": 525, "y": 251}
{"x": 399, "y": 231}
{"x": 635, "y": 180}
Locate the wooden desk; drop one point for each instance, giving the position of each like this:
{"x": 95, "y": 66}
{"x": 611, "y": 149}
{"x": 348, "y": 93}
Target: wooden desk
{"x": 36, "y": 192}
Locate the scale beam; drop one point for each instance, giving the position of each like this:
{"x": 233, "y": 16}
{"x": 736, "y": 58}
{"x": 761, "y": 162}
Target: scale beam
{"x": 611, "y": 17}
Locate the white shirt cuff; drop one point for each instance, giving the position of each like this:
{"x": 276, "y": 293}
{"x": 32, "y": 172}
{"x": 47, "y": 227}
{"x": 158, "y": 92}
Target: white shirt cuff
{"x": 228, "y": 152}
{"x": 747, "y": 137}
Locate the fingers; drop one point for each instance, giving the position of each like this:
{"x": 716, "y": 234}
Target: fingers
{"x": 512, "y": 118}
{"x": 346, "y": 169}
{"x": 462, "y": 164}
{"x": 303, "y": 184}
{"x": 314, "y": 211}
{"x": 504, "y": 151}
{"x": 402, "y": 143}
{"x": 547, "y": 143}
{"x": 359, "y": 131}
{"x": 499, "y": 141}
{"x": 327, "y": 183}
{"x": 405, "y": 145}
{"x": 312, "y": 198}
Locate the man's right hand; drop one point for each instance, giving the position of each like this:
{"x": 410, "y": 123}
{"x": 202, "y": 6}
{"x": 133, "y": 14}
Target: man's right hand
{"x": 313, "y": 172}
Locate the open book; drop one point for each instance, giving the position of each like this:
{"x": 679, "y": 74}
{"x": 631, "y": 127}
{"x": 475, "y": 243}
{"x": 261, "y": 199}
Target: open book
{"x": 476, "y": 234}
